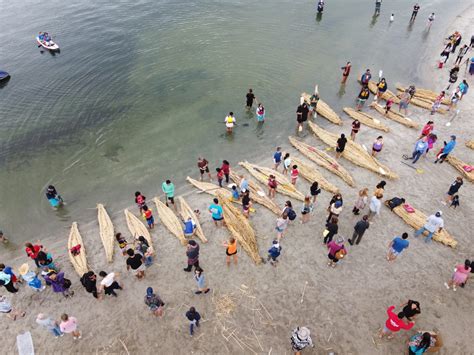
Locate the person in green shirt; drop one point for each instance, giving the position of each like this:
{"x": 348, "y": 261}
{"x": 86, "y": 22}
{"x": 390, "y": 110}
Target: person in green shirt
{"x": 168, "y": 188}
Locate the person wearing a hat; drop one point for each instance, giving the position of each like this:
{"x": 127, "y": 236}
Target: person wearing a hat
{"x": 434, "y": 223}
{"x": 51, "y": 325}
{"x": 300, "y": 339}
{"x": 448, "y": 148}
{"x": 154, "y": 302}
{"x": 31, "y": 278}
{"x": 192, "y": 252}
{"x": 336, "y": 251}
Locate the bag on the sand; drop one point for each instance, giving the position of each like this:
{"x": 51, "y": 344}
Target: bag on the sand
{"x": 395, "y": 202}
{"x": 340, "y": 254}
{"x": 408, "y": 208}
{"x": 291, "y": 214}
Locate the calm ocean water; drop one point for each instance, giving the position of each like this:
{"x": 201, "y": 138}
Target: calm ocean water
{"x": 141, "y": 88}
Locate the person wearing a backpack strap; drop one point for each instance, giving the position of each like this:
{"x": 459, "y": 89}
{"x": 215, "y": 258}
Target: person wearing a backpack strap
{"x": 289, "y": 211}
{"x": 335, "y": 210}
{"x": 337, "y": 251}
{"x": 274, "y": 253}
{"x": 300, "y": 339}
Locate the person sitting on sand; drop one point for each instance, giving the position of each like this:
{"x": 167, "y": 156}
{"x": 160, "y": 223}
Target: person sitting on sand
{"x": 423, "y": 342}
{"x": 189, "y": 227}
{"x": 122, "y": 242}
{"x": 6, "y": 307}
{"x": 300, "y": 339}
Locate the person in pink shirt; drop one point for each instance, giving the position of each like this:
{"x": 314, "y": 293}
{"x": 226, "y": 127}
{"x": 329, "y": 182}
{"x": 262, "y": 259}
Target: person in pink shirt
{"x": 69, "y": 325}
{"x": 461, "y": 272}
{"x": 394, "y": 323}
{"x": 336, "y": 251}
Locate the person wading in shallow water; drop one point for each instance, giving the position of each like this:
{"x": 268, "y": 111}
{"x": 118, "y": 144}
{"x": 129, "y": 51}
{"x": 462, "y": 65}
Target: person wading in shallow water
{"x": 250, "y": 98}
{"x": 346, "y": 70}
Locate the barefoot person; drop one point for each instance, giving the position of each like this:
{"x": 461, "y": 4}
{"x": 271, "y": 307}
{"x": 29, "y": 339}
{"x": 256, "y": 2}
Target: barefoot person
{"x": 231, "y": 250}
{"x": 346, "y": 70}
{"x": 203, "y": 166}
{"x": 230, "y": 122}
{"x": 154, "y": 302}
{"x": 301, "y": 116}
{"x": 377, "y": 146}
{"x": 416, "y": 8}
{"x": 68, "y": 325}
{"x": 460, "y": 275}
{"x": 217, "y": 212}
{"x": 272, "y": 186}
{"x": 394, "y": 324}
{"x": 355, "y": 129}
{"x": 362, "y": 98}
{"x": 200, "y": 281}
{"x": 168, "y": 189}
{"x": 396, "y": 246}
{"x": 250, "y": 98}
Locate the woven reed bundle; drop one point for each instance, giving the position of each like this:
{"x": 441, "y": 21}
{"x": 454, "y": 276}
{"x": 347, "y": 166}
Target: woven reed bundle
{"x": 324, "y": 110}
{"x": 257, "y": 194}
{"x": 185, "y": 211}
{"x": 424, "y": 94}
{"x": 366, "y": 119}
{"x": 322, "y": 159}
{"x": 211, "y": 189}
{"x": 427, "y": 105}
{"x": 353, "y": 152}
{"x": 136, "y": 227}
{"x": 459, "y": 165}
{"x": 311, "y": 174}
{"x": 262, "y": 174}
{"x": 386, "y": 95}
{"x": 170, "y": 220}
{"x": 79, "y": 262}
{"x": 470, "y": 144}
{"x": 395, "y": 116}
{"x": 240, "y": 228}
{"x": 106, "y": 231}
{"x": 417, "y": 220}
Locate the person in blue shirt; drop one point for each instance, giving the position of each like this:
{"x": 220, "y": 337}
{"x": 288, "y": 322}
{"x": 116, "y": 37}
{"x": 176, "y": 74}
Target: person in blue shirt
{"x": 448, "y": 148}
{"x": 274, "y": 252}
{"x": 235, "y": 193}
{"x": 216, "y": 212}
{"x": 189, "y": 227}
{"x": 277, "y": 158}
{"x": 421, "y": 147}
{"x": 244, "y": 184}
{"x": 396, "y": 246}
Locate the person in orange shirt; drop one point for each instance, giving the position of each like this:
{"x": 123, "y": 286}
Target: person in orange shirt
{"x": 231, "y": 250}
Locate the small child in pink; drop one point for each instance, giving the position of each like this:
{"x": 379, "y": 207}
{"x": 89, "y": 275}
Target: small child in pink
{"x": 69, "y": 325}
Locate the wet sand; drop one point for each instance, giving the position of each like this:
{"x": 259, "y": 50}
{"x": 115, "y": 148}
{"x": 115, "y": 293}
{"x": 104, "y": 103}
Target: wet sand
{"x": 344, "y": 307}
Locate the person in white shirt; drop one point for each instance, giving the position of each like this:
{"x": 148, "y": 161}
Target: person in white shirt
{"x": 109, "y": 283}
{"x": 374, "y": 206}
{"x": 434, "y": 223}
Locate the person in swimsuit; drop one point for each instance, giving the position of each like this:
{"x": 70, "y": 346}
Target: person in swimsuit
{"x": 260, "y": 113}
{"x": 230, "y": 122}
{"x": 377, "y": 146}
{"x": 415, "y": 12}
{"x": 346, "y": 70}
{"x": 231, "y": 250}
{"x": 355, "y": 129}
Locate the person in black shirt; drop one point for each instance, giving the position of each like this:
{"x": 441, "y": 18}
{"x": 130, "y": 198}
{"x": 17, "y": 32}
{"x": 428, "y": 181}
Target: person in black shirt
{"x": 246, "y": 203}
{"x": 89, "y": 281}
{"x": 250, "y": 98}
{"x": 411, "y": 309}
{"x": 331, "y": 230}
{"x": 453, "y": 189}
{"x": 301, "y": 115}
{"x": 415, "y": 12}
{"x": 341, "y": 145}
{"x": 359, "y": 230}
{"x": 315, "y": 190}
{"x": 194, "y": 317}
{"x": 135, "y": 262}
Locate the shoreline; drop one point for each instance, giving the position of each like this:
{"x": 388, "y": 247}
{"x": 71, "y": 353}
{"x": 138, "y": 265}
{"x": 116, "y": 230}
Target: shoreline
{"x": 331, "y": 308}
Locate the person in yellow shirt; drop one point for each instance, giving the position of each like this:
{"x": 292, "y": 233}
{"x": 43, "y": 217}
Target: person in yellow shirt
{"x": 230, "y": 122}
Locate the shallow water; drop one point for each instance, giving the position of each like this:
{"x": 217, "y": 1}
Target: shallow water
{"x": 140, "y": 89}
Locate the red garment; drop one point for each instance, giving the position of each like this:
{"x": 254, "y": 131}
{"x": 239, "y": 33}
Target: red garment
{"x": 427, "y": 129}
{"x": 148, "y": 214}
{"x": 33, "y": 254}
{"x": 394, "y": 323}
{"x": 225, "y": 168}
{"x": 220, "y": 175}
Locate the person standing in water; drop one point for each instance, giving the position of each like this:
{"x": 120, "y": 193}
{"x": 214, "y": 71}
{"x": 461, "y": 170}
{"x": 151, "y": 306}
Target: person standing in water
{"x": 250, "y": 97}
{"x": 55, "y": 200}
{"x": 431, "y": 19}
{"x": 346, "y": 70}
{"x": 203, "y": 166}
{"x": 378, "y": 5}
{"x": 314, "y": 99}
{"x": 365, "y": 78}
{"x": 260, "y": 113}
{"x": 230, "y": 122}
{"x": 416, "y": 8}
{"x": 362, "y": 98}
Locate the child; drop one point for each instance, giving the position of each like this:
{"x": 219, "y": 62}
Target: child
{"x": 31, "y": 278}
{"x": 193, "y": 317}
{"x": 388, "y": 105}
{"x": 140, "y": 201}
{"x": 220, "y": 176}
{"x": 235, "y": 193}
{"x": 272, "y": 186}
{"x": 306, "y": 209}
{"x": 274, "y": 252}
{"x": 455, "y": 202}
{"x": 294, "y": 174}
{"x": 260, "y": 113}
{"x": 149, "y": 217}
{"x": 122, "y": 242}
{"x": 246, "y": 203}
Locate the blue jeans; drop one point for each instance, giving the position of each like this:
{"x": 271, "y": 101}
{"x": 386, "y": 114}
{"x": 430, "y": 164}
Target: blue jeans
{"x": 416, "y": 155}
{"x": 148, "y": 260}
{"x": 191, "y": 326}
{"x": 56, "y": 331}
{"x": 421, "y": 230}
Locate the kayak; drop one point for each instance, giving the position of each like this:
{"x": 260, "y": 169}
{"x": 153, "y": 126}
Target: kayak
{"x": 4, "y": 75}
{"x": 52, "y": 46}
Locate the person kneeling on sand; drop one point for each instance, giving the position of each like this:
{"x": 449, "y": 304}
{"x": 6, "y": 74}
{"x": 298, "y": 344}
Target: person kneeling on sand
{"x": 424, "y": 341}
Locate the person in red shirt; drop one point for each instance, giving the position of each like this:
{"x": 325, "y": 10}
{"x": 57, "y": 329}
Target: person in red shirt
{"x": 394, "y": 323}
{"x": 32, "y": 251}
{"x": 226, "y": 170}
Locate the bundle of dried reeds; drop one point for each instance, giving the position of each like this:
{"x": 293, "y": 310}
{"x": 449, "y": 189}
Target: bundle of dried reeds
{"x": 240, "y": 228}
{"x": 262, "y": 174}
{"x": 106, "y": 231}
{"x": 322, "y": 159}
{"x": 79, "y": 261}
{"x": 386, "y": 95}
{"x": 170, "y": 220}
{"x": 470, "y": 144}
{"x": 211, "y": 189}
{"x": 136, "y": 227}
{"x": 353, "y": 152}
{"x": 427, "y": 105}
{"x": 395, "y": 116}
{"x": 366, "y": 119}
{"x": 323, "y": 109}
{"x": 424, "y": 94}
{"x": 311, "y": 174}
{"x": 460, "y": 166}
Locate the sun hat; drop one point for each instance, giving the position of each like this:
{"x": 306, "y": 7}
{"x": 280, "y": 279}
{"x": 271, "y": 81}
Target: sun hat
{"x": 303, "y": 333}
{"x": 24, "y": 269}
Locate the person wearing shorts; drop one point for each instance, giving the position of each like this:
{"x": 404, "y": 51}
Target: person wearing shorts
{"x": 203, "y": 166}
{"x": 394, "y": 324}
{"x": 216, "y": 212}
{"x": 362, "y": 98}
{"x": 246, "y": 203}
{"x": 135, "y": 262}
{"x": 168, "y": 188}
{"x": 396, "y": 246}
{"x": 231, "y": 250}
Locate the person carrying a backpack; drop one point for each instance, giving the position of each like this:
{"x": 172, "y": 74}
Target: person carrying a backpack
{"x": 337, "y": 251}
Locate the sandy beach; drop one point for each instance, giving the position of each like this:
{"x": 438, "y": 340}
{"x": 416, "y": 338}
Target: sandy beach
{"x": 252, "y": 309}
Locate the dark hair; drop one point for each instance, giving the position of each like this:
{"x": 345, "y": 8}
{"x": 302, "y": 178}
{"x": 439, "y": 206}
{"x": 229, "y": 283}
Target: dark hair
{"x": 343, "y": 135}
{"x": 365, "y": 218}
{"x": 64, "y": 317}
{"x": 215, "y": 200}
{"x": 467, "y": 264}
{"x": 381, "y": 184}
{"x": 192, "y": 310}
{"x": 118, "y": 236}
{"x": 225, "y": 161}
{"x": 315, "y": 185}
{"x": 379, "y": 137}
{"x": 130, "y": 252}
{"x": 143, "y": 240}
{"x": 250, "y": 90}
{"x": 2, "y": 266}
{"x": 103, "y": 274}
{"x": 29, "y": 245}
{"x": 288, "y": 203}
{"x": 231, "y": 113}
{"x": 218, "y": 169}
{"x": 295, "y": 166}
{"x": 168, "y": 181}
{"x": 286, "y": 156}
{"x": 425, "y": 341}
{"x": 145, "y": 208}
{"x": 400, "y": 315}
{"x": 138, "y": 193}
{"x": 405, "y": 235}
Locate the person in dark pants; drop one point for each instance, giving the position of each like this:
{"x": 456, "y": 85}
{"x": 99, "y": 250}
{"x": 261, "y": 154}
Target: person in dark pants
{"x": 89, "y": 281}
{"x": 109, "y": 283}
{"x": 415, "y": 12}
{"x": 359, "y": 230}
{"x": 331, "y": 229}
{"x": 194, "y": 317}
{"x": 250, "y": 97}
{"x": 192, "y": 252}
